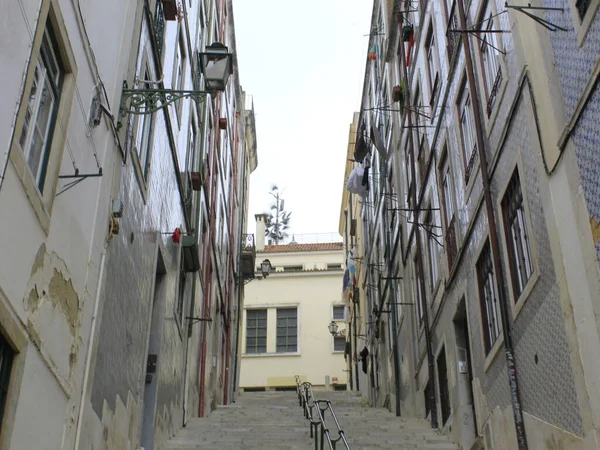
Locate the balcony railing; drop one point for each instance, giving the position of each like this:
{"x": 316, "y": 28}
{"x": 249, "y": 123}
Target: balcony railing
{"x": 471, "y": 164}
{"x": 248, "y": 257}
{"x": 494, "y": 92}
{"x": 451, "y": 243}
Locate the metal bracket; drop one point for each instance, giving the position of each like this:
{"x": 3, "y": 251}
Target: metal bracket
{"x": 80, "y": 178}
{"x": 148, "y": 101}
{"x": 195, "y": 320}
{"x": 543, "y": 22}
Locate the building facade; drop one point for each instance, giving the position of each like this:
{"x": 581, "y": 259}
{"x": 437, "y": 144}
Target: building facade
{"x": 119, "y": 303}
{"x": 286, "y": 317}
{"x": 58, "y": 163}
{"x": 469, "y": 260}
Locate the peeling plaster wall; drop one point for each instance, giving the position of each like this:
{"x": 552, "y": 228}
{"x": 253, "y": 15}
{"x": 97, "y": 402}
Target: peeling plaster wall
{"x": 49, "y": 271}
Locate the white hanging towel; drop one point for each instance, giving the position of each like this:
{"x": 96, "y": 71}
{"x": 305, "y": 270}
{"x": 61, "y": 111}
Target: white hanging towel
{"x": 354, "y": 184}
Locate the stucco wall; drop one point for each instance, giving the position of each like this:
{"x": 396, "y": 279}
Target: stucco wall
{"x": 314, "y": 293}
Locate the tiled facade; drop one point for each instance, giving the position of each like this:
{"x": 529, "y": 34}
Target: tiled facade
{"x": 112, "y": 335}
{"x": 396, "y": 267}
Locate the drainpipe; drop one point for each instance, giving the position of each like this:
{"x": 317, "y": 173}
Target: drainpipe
{"x": 392, "y": 305}
{"x": 92, "y": 340}
{"x": 427, "y": 332}
{"x": 511, "y": 365}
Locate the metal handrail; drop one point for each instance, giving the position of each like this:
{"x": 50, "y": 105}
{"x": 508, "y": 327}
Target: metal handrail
{"x": 307, "y": 401}
{"x": 325, "y": 433}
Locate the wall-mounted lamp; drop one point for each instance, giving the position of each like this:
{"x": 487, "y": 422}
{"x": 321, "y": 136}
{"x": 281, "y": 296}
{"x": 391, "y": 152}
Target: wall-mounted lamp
{"x": 215, "y": 63}
{"x": 333, "y": 329}
{"x": 265, "y": 268}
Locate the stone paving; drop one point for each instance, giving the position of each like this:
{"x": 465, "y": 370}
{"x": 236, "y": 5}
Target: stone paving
{"x": 275, "y": 421}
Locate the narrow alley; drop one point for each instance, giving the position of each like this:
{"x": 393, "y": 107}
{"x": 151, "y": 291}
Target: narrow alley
{"x": 275, "y": 421}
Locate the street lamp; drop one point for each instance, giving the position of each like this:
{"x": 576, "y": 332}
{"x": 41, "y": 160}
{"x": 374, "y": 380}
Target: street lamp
{"x": 215, "y": 63}
{"x": 265, "y": 268}
{"x": 333, "y": 329}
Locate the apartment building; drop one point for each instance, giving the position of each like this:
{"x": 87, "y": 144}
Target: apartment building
{"x": 475, "y": 273}
{"x": 60, "y": 155}
{"x": 124, "y": 190}
{"x": 287, "y": 316}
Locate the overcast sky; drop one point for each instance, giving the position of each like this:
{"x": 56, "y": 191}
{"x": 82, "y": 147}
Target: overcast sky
{"x": 303, "y": 63}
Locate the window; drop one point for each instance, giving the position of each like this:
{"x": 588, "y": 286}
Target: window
{"x": 429, "y": 397}
{"x": 297, "y": 268}
{"x": 433, "y": 65}
{"x": 582, "y": 7}
{"x": 339, "y": 312}
{"x": 420, "y": 287}
{"x": 143, "y": 133}
{"x": 467, "y": 130}
{"x": 488, "y": 297}
{"x": 432, "y": 248}
{"x": 443, "y": 383}
{"x": 447, "y": 189}
{"x": 7, "y": 355}
{"x": 256, "y": 331}
{"x": 517, "y": 239}
{"x": 287, "y": 330}
{"x": 181, "y": 292}
{"x": 334, "y": 266}
{"x": 178, "y": 69}
{"x": 490, "y": 60}
{"x": 339, "y": 344}
{"x": 42, "y": 107}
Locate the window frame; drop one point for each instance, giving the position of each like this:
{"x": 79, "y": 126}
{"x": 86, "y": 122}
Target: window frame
{"x": 518, "y": 299}
{"x": 583, "y": 24}
{"x": 258, "y": 328}
{"x": 487, "y": 283}
{"x": 338, "y": 339}
{"x": 432, "y": 59}
{"x": 432, "y": 252}
{"x": 490, "y": 59}
{"x": 42, "y": 200}
{"x": 443, "y": 386}
{"x": 466, "y": 125}
{"x": 333, "y": 309}
{"x": 287, "y": 336}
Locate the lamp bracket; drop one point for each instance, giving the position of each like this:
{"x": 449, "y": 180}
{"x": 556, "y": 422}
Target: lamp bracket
{"x": 148, "y": 101}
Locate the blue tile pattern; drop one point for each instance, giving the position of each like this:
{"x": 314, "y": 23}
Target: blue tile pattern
{"x": 574, "y": 65}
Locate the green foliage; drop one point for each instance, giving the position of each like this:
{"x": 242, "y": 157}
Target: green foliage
{"x": 278, "y": 219}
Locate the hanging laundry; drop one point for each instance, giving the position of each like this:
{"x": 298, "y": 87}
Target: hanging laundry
{"x": 355, "y": 182}
{"x": 372, "y": 55}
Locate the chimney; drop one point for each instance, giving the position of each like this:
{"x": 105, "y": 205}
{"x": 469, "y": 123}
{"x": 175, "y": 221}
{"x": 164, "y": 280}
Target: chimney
{"x": 261, "y": 223}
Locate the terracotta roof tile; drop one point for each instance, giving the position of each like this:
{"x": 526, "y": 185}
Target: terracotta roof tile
{"x": 289, "y": 248}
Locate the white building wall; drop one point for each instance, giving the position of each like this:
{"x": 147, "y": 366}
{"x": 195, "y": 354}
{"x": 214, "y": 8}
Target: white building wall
{"x": 314, "y": 293}
{"x": 50, "y": 259}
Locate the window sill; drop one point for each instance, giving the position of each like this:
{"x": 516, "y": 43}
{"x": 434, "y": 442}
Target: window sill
{"x": 269, "y": 355}
{"x": 139, "y": 175}
{"x": 491, "y": 356}
{"x": 517, "y": 306}
{"x": 36, "y": 199}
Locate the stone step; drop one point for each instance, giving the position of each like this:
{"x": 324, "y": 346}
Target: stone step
{"x": 275, "y": 421}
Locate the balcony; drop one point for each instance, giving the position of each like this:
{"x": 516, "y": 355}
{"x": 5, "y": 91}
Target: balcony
{"x": 248, "y": 261}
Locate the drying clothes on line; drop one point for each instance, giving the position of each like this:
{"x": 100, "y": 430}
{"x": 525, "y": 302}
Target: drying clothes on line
{"x": 356, "y": 183}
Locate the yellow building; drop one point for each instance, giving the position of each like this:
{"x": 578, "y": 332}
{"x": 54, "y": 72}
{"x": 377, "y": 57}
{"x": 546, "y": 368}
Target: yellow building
{"x": 286, "y": 317}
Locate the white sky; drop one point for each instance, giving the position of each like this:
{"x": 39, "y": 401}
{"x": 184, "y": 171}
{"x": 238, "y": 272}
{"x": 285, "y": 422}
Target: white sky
{"x": 303, "y": 63}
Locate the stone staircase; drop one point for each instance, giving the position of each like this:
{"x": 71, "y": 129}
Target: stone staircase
{"x": 275, "y": 421}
